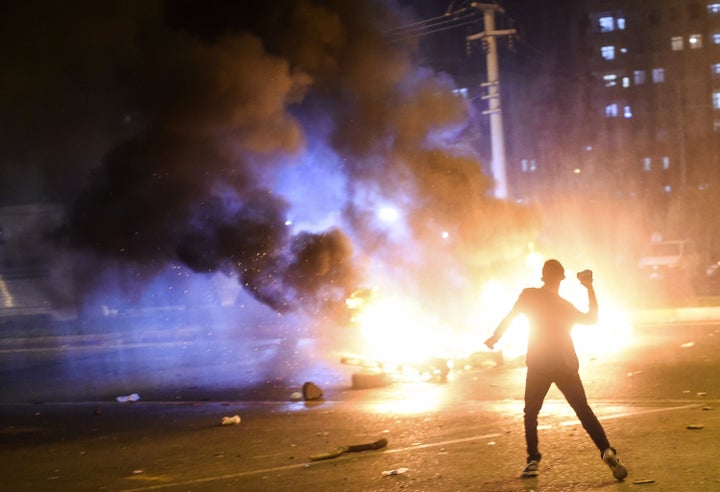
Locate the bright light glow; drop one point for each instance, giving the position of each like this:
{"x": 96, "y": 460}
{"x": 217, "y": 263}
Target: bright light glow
{"x": 397, "y": 330}
{"x": 388, "y": 214}
{"x": 496, "y": 300}
{"x": 400, "y": 332}
{"x": 412, "y": 398}
{"x": 612, "y": 333}
{"x": 445, "y": 235}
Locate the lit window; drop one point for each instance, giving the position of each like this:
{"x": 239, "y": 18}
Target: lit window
{"x": 716, "y": 126}
{"x": 621, "y": 23}
{"x": 607, "y": 24}
{"x": 716, "y": 38}
{"x": 627, "y": 112}
{"x": 610, "y": 80}
{"x": 716, "y": 99}
{"x": 658, "y": 75}
{"x": 528, "y": 165}
{"x": 647, "y": 164}
{"x": 677, "y": 43}
{"x": 639, "y": 76}
{"x": 695, "y": 41}
{"x": 611, "y": 110}
{"x": 608, "y": 52}
{"x": 626, "y": 82}
{"x": 666, "y": 163}
{"x": 713, "y": 8}
{"x": 715, "y": 69}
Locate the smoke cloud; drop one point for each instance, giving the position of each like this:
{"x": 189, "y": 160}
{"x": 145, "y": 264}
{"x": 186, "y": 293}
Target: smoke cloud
{"x": 167, "y": 127}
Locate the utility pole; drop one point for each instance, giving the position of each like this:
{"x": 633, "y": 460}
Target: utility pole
{"x": 497, "y": 138}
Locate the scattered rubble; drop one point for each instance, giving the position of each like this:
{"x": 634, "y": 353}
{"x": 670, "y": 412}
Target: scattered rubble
{"x": 355, "y": 448}
{"x": 234, "y": 420}
{"x": 311, "y": 391}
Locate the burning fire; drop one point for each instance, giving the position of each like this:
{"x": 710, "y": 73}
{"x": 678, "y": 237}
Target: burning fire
{"x": 398, "y": 330}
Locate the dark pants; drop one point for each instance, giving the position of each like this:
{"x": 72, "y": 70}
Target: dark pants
{"x": 537, "y": 384}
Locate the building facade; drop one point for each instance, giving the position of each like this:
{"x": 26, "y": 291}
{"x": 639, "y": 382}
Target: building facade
{"x": 655, "y": 95}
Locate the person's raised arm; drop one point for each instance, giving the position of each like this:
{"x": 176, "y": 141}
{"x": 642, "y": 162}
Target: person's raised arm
{"x": 591, "y": 316}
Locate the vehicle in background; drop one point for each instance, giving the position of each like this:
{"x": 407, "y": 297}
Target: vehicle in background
{"x": 669, "y": 257}
{"x": 670, "y": 268}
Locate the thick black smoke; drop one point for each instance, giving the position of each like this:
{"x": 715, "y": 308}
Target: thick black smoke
{"x": 162, "y": 125}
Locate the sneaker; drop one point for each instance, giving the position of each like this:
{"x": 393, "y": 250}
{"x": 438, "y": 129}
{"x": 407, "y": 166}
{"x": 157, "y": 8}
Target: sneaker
{"x": 610, "y": 458}
{"x": 530, "y": 470}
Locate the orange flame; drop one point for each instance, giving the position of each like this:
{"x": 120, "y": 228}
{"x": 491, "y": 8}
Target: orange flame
{"x": 397, "y": 329}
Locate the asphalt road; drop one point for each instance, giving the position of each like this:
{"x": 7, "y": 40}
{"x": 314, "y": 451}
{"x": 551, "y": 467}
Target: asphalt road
{"x": 69, "y": 433}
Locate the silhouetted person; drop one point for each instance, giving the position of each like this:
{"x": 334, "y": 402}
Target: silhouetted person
{"x": 551, "y": 358}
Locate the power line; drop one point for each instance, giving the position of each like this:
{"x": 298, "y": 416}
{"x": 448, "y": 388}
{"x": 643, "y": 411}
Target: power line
{"x": 445, "y": 22}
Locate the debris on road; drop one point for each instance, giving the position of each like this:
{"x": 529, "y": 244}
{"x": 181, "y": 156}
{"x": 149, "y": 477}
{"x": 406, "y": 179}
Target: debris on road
{"x": 129, "y": 398}
{"x": 311, "y": 391}
{"x": 296, "y": 396}
{"x": 695, "y": 426}
{"x": 643, "y": 481}
{"x": 376, "y": 373}
{"x": 355, "y": 448}
{"x": 397, "y": 471}
{"x": 234, "y": 420}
